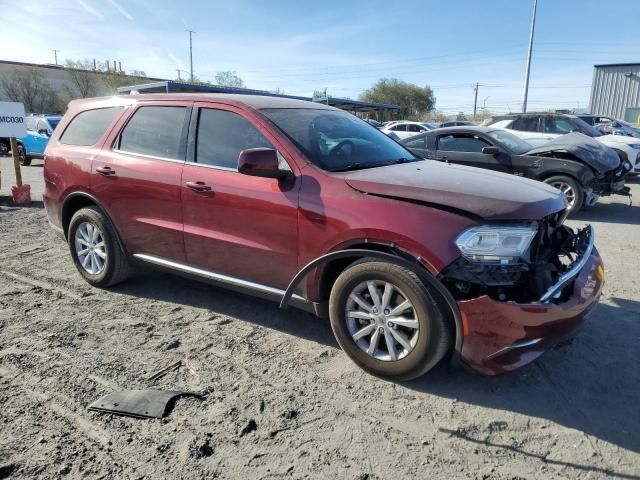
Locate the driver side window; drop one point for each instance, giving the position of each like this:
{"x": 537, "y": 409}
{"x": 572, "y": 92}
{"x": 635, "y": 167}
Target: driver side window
{"x": 222, "y": 135}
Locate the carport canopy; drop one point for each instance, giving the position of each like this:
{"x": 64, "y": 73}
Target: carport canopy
{"x": 366, "y": 109}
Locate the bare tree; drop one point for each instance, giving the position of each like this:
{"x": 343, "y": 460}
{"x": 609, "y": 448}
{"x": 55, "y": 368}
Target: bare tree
{"x": 229, "y": 79}
{"x": 31, "y": 88}
{"x": 85, "y": 81}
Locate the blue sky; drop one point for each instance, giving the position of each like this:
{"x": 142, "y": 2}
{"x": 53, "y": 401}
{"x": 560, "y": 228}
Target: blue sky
{"x": 346, "y": 45}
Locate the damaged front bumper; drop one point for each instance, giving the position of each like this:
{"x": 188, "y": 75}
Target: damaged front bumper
{"x": 613, "y": 182}
{"x": 502, "y": 336}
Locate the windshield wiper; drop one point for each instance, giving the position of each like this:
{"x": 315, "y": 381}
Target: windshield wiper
{"x": 361, "y": 165}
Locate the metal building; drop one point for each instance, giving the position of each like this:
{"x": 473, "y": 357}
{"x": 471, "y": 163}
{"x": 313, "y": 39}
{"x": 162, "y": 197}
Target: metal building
{"x": 615, "y": 91}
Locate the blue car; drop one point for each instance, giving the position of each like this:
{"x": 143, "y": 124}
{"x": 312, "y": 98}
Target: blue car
{"x": 39, "y": 130}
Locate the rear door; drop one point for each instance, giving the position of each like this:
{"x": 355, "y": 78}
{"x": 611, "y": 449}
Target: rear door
{"x": 137, "y": 177}
{"x": 466, "y": 149}
{"x": 237, "y": 225}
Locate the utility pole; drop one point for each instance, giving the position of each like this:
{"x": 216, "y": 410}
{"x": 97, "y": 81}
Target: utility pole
{"x": 55, "y": 54}
{"x": 191, "y": 53}
{"x": 178, "y": 70}
{"x": 475, "y": 101}
{"x": 526, "y": 78}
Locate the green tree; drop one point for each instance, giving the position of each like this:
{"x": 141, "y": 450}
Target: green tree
{"x": 414, "y": 101}
{"x": 229, "y": 79}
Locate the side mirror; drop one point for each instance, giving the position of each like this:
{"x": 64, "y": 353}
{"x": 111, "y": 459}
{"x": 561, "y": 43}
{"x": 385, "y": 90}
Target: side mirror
{"x": 490, "y": 150}
{"x": 260, "y": 162}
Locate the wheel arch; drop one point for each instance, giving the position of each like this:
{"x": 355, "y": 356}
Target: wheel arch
{"x": 334, "y": 263}
{"x": 77, "y": 200}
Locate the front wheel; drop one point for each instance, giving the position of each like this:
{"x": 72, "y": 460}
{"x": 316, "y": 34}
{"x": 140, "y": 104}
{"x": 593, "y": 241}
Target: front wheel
{"x": 571, "y": 189}
{"x": 387, "y": 320}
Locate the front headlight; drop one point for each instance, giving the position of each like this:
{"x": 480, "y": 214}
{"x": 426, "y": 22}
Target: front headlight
{"x": 495, "y": 244}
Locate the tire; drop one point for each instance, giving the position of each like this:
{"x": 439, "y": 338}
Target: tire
{"x": 4, "y": 148}
{"x": 112, "y": 266}
{"x": 25, "y": 160}
{"x": 567, "y": 184}
{"x": 429, "y": 342}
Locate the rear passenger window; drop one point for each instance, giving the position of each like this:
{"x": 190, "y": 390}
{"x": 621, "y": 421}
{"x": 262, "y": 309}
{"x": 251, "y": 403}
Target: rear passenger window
{"x": 155, "y": 131}
{"x": 87, "y": 127}
{"x": 461, "y": 143}
{"x": 417, "y": 142}
{"x": 223, "y": 135}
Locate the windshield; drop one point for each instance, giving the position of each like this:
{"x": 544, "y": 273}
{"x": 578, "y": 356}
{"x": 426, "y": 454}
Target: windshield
{"x": 53, "y": 122}
{"x": 586, "y": 128}
{"x": 337, "y": 141}
{"x": 510, "y": 142}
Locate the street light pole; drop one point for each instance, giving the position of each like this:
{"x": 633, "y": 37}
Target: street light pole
{"x": 475, "y": 101}
{"x": 191, "y": 53}
{"x": 526, "y": 78}
{"x": 55, "y": 54}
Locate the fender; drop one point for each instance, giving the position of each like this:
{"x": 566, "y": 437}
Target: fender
{"x": 415, "y": 266}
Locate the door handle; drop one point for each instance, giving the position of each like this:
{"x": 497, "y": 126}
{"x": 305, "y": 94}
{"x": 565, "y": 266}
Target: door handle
{"x": 198, "y": 186}
{"x": 106, "y": 171}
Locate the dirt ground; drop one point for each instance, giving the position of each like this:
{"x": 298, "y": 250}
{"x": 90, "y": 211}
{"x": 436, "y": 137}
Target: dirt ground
{"x": 281, "y": 399}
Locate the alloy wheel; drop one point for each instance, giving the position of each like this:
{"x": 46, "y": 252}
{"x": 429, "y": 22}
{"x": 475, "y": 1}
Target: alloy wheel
{"x": 382, "y": 320}
{"x": 568, "y": 191}
{"x": 90, "y": 248}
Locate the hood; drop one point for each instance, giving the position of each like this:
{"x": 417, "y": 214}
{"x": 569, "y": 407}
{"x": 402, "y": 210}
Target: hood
{"x": 483, "y": 193}
{"x": 618, "y": 139}
{"x": 589, "y": 150}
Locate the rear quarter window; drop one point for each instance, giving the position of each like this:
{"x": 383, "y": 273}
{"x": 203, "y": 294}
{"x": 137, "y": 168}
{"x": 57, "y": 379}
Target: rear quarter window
{"x": 87, "y": 127}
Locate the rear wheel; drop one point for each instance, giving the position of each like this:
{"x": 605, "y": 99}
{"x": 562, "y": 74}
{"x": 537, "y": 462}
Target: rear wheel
{"x": 386, "y": 319}
{"x": 571, "y": 189}
{"x": 95, "y": 250}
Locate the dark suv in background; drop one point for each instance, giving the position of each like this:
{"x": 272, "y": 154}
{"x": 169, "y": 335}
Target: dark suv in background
{"x": 308, "y": 205}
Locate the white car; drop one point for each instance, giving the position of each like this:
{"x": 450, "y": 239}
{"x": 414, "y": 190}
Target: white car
{"x": 405, "y": 129}
{"x": 540, "y": 128}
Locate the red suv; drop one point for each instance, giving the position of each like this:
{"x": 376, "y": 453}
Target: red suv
{"x": 310, "y": 206}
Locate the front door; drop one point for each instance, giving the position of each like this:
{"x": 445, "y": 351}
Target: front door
{"x": 137, "y": 178}
{"x": 234, "y": 224}
{"x": 466, "y": 149}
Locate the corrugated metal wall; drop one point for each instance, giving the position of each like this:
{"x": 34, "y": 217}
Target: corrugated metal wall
{"x": 614, "y": 89}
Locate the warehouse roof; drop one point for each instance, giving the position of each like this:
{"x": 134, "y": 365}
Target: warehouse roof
{"x": 617, "y": 65}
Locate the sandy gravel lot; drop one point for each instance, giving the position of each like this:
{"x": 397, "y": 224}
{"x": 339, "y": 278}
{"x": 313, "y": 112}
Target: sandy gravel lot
{"x": 282, "y": 401}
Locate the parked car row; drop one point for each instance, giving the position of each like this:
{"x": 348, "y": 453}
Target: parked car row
{"x": 540, "y": 128}
{"x": 578, "y": 166}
